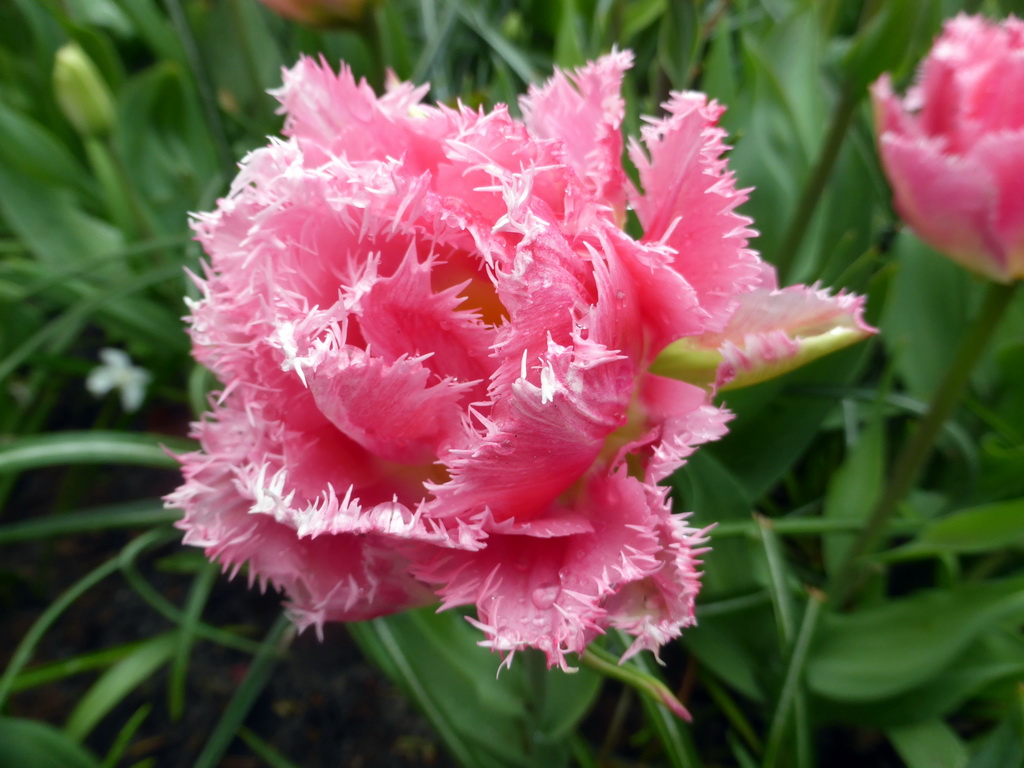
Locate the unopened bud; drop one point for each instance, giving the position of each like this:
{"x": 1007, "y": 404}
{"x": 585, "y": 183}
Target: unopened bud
{"x": 81, "y": 92}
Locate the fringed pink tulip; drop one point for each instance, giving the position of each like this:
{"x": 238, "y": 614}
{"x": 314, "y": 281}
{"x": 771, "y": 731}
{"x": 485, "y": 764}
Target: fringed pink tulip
{"x": 953, "y": 148}
{"x": 435, "y": 340}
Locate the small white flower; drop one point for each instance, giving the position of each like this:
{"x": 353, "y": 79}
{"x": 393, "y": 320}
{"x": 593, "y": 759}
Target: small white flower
{"x": 117, "y": 372}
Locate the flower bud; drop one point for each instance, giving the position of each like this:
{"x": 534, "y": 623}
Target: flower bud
{"x": 81, "y": 92}
{"x": 953, "y": 147}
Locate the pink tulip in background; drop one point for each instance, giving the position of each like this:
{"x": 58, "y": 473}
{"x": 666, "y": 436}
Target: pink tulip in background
{"x": 435, "y": 340}
{"x": 953, "y": 147}
{"x": 319, "y": 13}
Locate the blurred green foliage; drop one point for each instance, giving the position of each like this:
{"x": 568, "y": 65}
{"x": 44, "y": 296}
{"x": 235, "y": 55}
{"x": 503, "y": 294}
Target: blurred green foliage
{"x": 924, "y": 670}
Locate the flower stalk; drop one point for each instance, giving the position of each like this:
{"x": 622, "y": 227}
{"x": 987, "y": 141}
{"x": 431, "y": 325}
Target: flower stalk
{"x": 795, "y": 232}
{"x": 918, "y": 448}
{"x": 601, "y": 661}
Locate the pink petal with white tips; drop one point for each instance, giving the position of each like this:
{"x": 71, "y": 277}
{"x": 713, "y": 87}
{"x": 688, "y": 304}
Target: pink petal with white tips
{"x": 688, "y": 203}
{"x": 540, "y": 436}
{"x": 952, "y": 147}
{"x": 549, "y": 593}
{"x": 332, "y": 115}
{"x": 659, "y": 607}
{"x": 393, "y": 409}
{"x": 331, "y": 578}
{"x": 404, "y": 313}
{"x": 584, "y": 110}
{"x": 685, "y": 418}
{"x": 435, "y": 341}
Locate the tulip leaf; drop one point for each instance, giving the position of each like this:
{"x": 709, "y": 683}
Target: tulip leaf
{"x": 32, "y": 149}
{"x": 977, "y": 529}
{"x": 90, "y": 447}
{"x": 853, "y": 489}
{"x": 890, "y": 38}
{"x": 708, "y": 489}
{"x": 734, "y": 647}
{"x": 117, "y": 682}
{"x": 926, "y": 312}
{"x": 1004, "y": 745}
{"x": 929, "y": 744}
{"x": 50, "y": 222}
{"x": 518, "y": 718}
{"x": 995, "y": 656}
{"x": 35, "y": 744}
{"x": 884, "y": 650}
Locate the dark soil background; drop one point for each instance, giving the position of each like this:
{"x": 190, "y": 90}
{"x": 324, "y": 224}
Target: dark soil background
{"x": 324, "y": 706}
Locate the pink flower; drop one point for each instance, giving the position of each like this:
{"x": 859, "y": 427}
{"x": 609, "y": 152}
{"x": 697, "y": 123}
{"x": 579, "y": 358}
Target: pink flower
{"x": 953, "y": 148}
{"x": 435, "y": 339}
{"x": 320, "y": 13}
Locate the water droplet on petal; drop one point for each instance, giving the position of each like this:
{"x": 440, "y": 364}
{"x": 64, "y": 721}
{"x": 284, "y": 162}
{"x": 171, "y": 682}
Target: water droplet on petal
{"x": 544, "y": 597}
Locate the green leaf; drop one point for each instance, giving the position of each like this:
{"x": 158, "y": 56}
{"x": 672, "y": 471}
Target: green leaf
{"x": 255, "y": 681}
{"x": 44, "y": 674}
{"x": 881, "y": 651}
{"x": 132, "y": 514}
{"x": 679, "y": 41}
{"x": 569, "y": 46}
{"x": 1003, "y": 747}
{"x": 995, "y": 657}
{"x": 163, "y": 143}
{"x": 519, "y": 718}
{"x": 890, "y": 39}
{"x": 32, "y": 149}
{"x": 510, "y": 54}
{"x": 151, "y": 25}
{"x": 125, "y": 735}
{"x": 50, "y": 222}
{"x": 926, "y": 312}
{"x": 639, "y": 15}
{"x": 854, "y": 488}
{"x": 775, "y": 413}
{"x": 32, "y": 744}
{"x": 929, "y": 744}
{"x": 739, "y": 647}
{"x": 90, "y": 447}
{"x": 713, "y": 493}
{"x": 977, "y": 529}
{"x": 118, "y": 682}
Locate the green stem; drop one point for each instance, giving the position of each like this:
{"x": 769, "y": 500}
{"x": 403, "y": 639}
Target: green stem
{"x": 601, "y": 661}
{"x": 777, "y": 577}
{"x": 733, "y": 712}
{"x": 804, "y": 526}
{"x": 205, "y": 86}
{"x": 790, "y": 693}
{"x": 249, "y": 55}
{"x": 849, "y": 98}
{"x": 919, "y": 447}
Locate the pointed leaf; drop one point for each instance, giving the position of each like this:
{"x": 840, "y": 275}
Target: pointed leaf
{"x": 929, "y": 744}
{"x": 884, "y": 650}
{"x": 117, "y": 682}
{"x": 32, "y": 744}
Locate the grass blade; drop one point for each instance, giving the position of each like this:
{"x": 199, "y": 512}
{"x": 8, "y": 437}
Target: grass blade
{"x": 91, "y": 447}
{"x": 277, "y": 639}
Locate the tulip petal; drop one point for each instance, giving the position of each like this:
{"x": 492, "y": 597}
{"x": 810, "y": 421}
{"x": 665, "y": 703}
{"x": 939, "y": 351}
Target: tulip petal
{"x": 549, "y": 593}
{"x": 584, "y": 110}
{"x": 391, "y": 409}
{"x": 944, "y": 198}
{"x": 1002, "y": 154}
{"x": 689, "y": 203}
